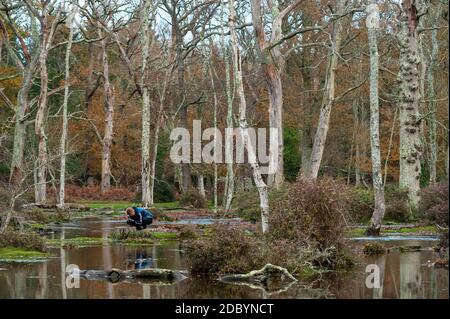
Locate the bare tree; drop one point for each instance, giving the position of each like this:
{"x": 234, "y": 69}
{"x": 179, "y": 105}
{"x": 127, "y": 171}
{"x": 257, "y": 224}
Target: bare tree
{"x": 257, "y": 177}
{"x": 372, "y": 23}
{"x": 62, "y": 177}
{"x": 432, "y": 91}
{"x": 48, "y": 29}
{"x": 272, "y": 63}
{"x": 329, "y": 96}
{"x": 145, "y": 139}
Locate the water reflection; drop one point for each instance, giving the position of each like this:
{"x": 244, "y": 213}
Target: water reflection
{"x": 401, "y": 275}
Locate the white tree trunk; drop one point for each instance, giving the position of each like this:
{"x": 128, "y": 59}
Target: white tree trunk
{"x": 201, "y": 185}
{"x": 62, "y": 176}
{"x": 432, "y": 94}
{"x": 372, "y": 23}
{"x": 145, "y": 138}
{"x": 109, "y": 119}
{"x": 229, "y": 179}
{"x": 259, "y": 182}
{"x": 328, "y": 98}
{"x": 39, "y": 127}
{"x": 20, "y": 124}
{"x": 273, "y": 66}
{"x": 213, "y": 87}
{"x": 409, "y": 118}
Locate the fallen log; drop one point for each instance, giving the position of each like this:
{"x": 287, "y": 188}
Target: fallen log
{"x": 265, "y": 276}
{"x": 115, "y": 275}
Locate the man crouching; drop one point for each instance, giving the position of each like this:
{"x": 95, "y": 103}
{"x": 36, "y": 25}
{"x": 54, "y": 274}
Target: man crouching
{"x": 139, "y": 217}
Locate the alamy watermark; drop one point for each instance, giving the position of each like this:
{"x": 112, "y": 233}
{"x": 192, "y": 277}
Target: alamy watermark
{"x": 233, "y": 143}
{"x": 73, "y": 276}
{"x": 373, "y": 279}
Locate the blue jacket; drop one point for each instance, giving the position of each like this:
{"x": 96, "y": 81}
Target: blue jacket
{"x": 141, "y": 214}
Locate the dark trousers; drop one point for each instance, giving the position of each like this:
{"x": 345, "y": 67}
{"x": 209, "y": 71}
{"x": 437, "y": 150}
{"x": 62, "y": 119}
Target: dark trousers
{"x": 145, "y": 223}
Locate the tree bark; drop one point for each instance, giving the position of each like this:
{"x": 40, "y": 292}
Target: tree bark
{"x": 372, "y": 23}
{"x": 432, "y": 94}
{"x": 109, "y": 118}
{"x": 62, "y": 176}
{"x": 257, "y": 177}
{"x": 272, "y": 63}
{"x": 47, "y": 32}
{"x": 20, "y": 123}
{"x": 328, "y": 99}
{"x": 229, "y": 179}
{"x": 146, "y": 118}
{"x": 409, "y": 118}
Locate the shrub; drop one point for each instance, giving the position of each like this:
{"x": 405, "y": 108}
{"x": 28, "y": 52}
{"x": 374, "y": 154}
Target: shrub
{"x": 362, "y": 204}
{"x": 433, "y": 204}
{"x": 28, "y": 240}
{"x": 246, "y": 203}
{"x": 312, "y": 213}
{"x": 163, "y": 192}
{"x": 228, "y": 250}
{"x": 193, "y": 198}
{"x": 188, "y": 232}
{"x": 371, "y": 249}
{"x": 434, "y": 207}
{"x": 397, "y": 206}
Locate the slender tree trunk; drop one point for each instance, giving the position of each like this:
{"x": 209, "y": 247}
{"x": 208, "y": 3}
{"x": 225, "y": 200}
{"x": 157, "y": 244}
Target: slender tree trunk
{"x": 311, "y": 85}
{"x": 272, "y": 63}
{"x": 201, "y": 185}
{"x": 372, "y": 23}
{"x": 229, "y": 179}
{"x": 109, "y": 119}
{"x": 181, "y": 95}
{"x": 145, "y": 138}
{"x": 62, "y": 176}
{"x": 410, "y": 141}
{"x": 328, "y": 99}
{"x": 41, "y": 169}
{"x": 20, "y": 123}
{"x": 213, "y": 87}
{"x": 259, "y": 182}
{"x": 432, "y": 95}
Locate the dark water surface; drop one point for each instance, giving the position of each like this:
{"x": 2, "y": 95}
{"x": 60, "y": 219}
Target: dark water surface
{"x": 403, "y": 275}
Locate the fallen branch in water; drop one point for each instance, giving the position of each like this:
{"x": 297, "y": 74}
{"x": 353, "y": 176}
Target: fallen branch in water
{"x": 116, "y": 275}
{"x": 260, "y": 276}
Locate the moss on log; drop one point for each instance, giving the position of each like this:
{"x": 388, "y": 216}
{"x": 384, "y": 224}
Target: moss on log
{"x": 115, "y": 275}
{"x": 261, "y": 276}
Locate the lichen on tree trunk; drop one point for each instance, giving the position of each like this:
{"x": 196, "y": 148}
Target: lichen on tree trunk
{"x": 372, "y": 23}
{"x": 409, "y": 117}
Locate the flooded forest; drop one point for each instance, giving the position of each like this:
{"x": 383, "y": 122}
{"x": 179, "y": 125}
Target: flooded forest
{"x": 184, "y": 149}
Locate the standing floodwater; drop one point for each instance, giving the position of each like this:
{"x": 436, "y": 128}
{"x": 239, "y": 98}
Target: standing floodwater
{"x": 403, "y": 275}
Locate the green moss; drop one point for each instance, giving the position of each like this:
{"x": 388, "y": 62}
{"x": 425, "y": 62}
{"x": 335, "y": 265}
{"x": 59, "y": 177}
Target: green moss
{"x": 142, "y": 237}
{"x": 20, "y": 254}
{"x": 426, "y": 230}
{"x": 419, "y": 229}
{"x": 164, "y": 235}
{"x": 77, "y": 242}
